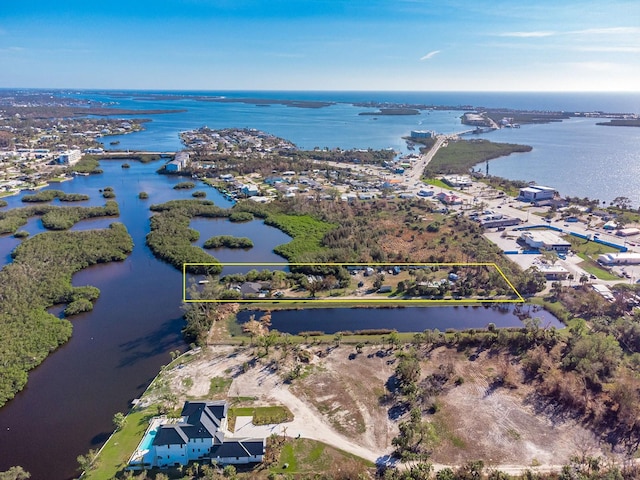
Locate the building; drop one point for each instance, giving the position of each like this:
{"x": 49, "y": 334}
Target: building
{"x": 536, "y": 193}
{"x": 497, "y": 221}
{"x": 249, "y": 190}
{"x": 179, "y": 162}
{"x": 627, "y": 232}
{"x": 553, "y": 272}
{"x": 200, "y": 434}
{"x": 603, "y": 291}
{"x": 70, "y": 157}
{"x": 449, "y": 199}
{"x": 545, "y": 240}
{"x": 457, "y": 181}
{"x": 626, "y": 258}
{"x": 421, "y": 134}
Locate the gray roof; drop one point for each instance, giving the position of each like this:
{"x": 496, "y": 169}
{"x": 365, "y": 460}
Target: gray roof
{"x": 248, "y": 288}
{"x": 200, "y": 420}
{"x": 170, "y": 434}
{"x": 239, "y": 448}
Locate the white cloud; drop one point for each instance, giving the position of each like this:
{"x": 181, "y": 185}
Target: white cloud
{"x": 598, "y": 66}
{"x": 429, "y": 55}
{"x": 613, "y": 49}
{"x": 607, "y": 31}
{"x": 534, "y": 34}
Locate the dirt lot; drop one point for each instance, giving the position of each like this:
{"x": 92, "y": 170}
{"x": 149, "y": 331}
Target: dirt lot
{"x": 337, "y": 400}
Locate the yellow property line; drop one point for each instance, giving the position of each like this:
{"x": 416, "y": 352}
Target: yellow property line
{"x": 520, "y": 299}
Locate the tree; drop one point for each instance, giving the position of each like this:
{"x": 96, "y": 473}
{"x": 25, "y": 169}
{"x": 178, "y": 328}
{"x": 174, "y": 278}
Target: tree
{"x": 15, "y": 473}
{"x": 393, "y": 339}
{"x": 549, "y": 256}
{"x": 87, "y": 462}
{"x": 377, "y": 283}
{"x": 584, "y": 279}
{"x": 621, "y": 202}
{"x": 229, "y": 472}
{"x": 119, "y": 420}
{"x": 408, "y": 370}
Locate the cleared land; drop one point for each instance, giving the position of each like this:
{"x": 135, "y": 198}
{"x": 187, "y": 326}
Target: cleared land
{"x": 340, "y": 399}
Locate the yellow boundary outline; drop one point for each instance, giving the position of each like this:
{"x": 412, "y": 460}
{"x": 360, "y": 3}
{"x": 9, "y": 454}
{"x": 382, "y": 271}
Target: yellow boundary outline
{"x": 520, "y": 299}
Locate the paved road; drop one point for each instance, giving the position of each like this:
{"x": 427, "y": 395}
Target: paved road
{"x": 415, "y": 173}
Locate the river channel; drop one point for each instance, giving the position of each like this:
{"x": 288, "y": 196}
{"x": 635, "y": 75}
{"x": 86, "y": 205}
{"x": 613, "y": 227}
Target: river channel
{"x": 118, "y": 348}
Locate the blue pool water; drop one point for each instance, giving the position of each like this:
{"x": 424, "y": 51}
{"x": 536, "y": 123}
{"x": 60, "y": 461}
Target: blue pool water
{"x": 148, "y": 440}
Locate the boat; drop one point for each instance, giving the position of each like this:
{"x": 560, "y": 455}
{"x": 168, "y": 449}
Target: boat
{"x": 116, "y": 142}
{"x": 203, "y": 282}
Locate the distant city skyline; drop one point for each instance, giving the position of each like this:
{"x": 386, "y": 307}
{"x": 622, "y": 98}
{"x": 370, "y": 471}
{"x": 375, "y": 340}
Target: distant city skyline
{"x": 417, "y": 45}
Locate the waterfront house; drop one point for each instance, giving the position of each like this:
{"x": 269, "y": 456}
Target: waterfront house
{"x": 179, "y": 163}
{"x": 200, "y": 434}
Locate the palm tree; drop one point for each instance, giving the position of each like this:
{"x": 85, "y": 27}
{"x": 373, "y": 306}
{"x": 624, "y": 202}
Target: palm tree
{"x": 584, "y": 279}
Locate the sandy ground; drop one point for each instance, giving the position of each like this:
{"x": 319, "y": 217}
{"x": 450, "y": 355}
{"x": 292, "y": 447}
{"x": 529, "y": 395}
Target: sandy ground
{"x": 337, "y": 401}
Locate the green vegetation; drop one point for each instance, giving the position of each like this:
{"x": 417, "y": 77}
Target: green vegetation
{"x": 87, "y": 164}
{"x": 118, "y": 449}
{"x": 219, "y": 387}
{"x": 593, "y": 268}
{"x": 3, "y": 203}
{"x": 228, "y": 241}
{"x": 303, "y": 456}
{"x": 34, "y": 282}
{"x": 21, "y": 234}
{"x": 54, "y": 217}
{"x": 126, "y": 165}
{"x": 138, "y": 157}
{"x": 184, "y": 186}
{"x": 241, "y": 217}
{"x": 143, "y": 195}
{"x": 170, "y": 240}
{"x": 48, "y": 195}
{"x": 436, "y": 182}
{"x": 307, "y": 233}
{"x": 461, "y": 155}
{"x": 261, "y": 415}
{"x": 199, "y": 194}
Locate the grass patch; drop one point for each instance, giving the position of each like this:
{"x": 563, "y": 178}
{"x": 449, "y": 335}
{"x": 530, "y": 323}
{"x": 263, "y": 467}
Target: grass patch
{"x": 436, "y": 182}
{"x": 116, "y": 452}
{"x": 307, "y": 233}
{"x": 305, "y": 456}
{"x": 219, "y": 386}
{"x": 461, "y": 155}
{"x": 591, "y": 267}
{"x": 261, "y": 415}
{"x": 587, "y": 247}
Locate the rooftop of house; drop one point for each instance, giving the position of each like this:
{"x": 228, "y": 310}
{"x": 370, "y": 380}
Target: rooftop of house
{"x": 199, "y": 420}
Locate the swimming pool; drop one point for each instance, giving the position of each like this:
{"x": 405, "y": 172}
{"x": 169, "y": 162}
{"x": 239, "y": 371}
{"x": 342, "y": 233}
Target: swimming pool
{"x": 147, "y": 441}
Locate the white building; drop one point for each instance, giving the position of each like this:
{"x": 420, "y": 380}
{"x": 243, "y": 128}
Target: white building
{"x": 457, "y": 181}
{"x": 626, "y": 258}
{"x": 553, "y": 272}
{"x": 70, "y": 157}
{"x": 199, "y": 435}
{"x": 179, "y": 163}
{"x": 545, "y": 240}
{"x": 536, "y": 193}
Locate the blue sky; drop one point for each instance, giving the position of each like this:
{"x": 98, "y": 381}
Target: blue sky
{"x": 559, "y": 45}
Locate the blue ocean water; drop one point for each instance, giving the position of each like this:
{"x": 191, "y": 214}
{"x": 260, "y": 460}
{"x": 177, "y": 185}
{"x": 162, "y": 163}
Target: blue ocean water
{"x": 576, "y": 156}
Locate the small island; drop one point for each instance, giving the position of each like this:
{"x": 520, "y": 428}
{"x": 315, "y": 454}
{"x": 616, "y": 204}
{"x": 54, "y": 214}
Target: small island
{"x": 228, "y": 241}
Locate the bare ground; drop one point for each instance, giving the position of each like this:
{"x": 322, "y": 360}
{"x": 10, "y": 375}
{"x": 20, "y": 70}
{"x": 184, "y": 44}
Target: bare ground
{"x": 338, "y": 401}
